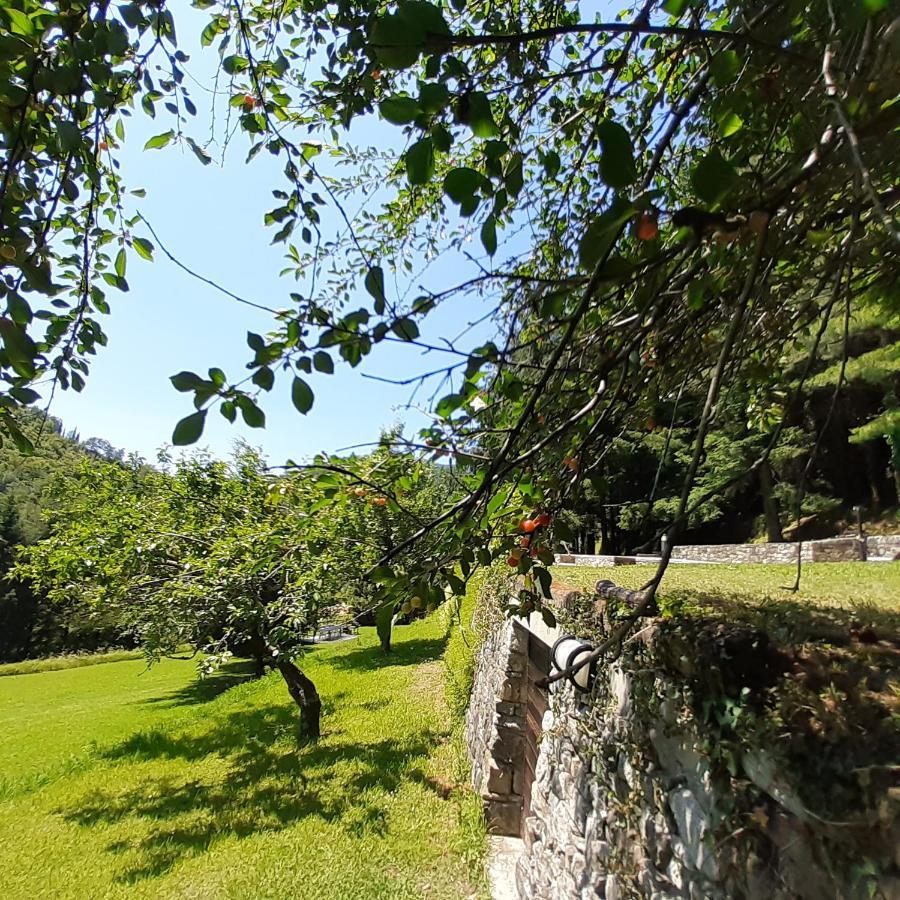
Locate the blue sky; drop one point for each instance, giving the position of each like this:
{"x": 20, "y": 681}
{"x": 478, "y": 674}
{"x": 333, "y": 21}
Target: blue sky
{"x": 212, "y": 219}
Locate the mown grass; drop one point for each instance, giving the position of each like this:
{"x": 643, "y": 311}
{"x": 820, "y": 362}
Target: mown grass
{"x": 154, "y": 785}
{"x": 836, "y": 602}
{"x": 67, "y": 661}
{"x": 839, "y": 585}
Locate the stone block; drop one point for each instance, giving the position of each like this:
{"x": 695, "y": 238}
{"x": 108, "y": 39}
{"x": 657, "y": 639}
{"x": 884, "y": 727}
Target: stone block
{"x": 504, "y": 816}
{"x": 507, "y": 744}
{"x": 838, "y": 550}
{"x": 499, "y": 779}
{"x": 513, "y": 690}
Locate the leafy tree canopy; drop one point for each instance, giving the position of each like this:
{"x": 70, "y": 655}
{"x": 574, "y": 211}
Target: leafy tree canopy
{"x": 684, "y": 192}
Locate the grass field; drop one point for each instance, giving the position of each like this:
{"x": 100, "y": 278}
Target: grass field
{"x": 119, "y": 782}
{"x": 834, "y": 599}
{"x": 67, "y": 661}
{"x": 838, "y": 585}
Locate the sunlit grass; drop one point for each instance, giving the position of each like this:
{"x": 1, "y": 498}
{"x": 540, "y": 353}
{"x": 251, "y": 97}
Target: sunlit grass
{"x": 841, "y": 585}
{"x": 184, "y": 793}
{"x": 67, "y": 661}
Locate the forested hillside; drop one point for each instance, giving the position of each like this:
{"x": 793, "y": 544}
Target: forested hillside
{"x": 840, "y": 447}
{"x": 29, "y": 625}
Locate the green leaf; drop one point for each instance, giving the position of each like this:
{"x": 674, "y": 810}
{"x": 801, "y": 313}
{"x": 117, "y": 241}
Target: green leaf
{"x": 423, "y": 17}
{"x": 696, "y": 295}
{"x": 420, "y": 162}
{"x": 228, "y": 410}
{"x": 301, "y": 395}
{"x": 208, "y": 35}
{"x": 730, "y": 123}
{"x": 19, "y": 346}
{"x": 24, "y": 395}
{"x": 69, "y": 135}
{"x": 457, "y": 585}
{"x": 234, "y": 63}
{"x": 405, "y": 329}
{"x": 552, "y": 163}
{"x": 264, "y": 377}
{"x": 143, "y": 247}
{"x": 396, "y": 44}
{"x": 602, "y": 232}
{"x": 399, "y": 110}
{"x": 189, "y": 429}
{"x": 253, "y": 415}
{"x": 724, "y": 66}
{"x": 374, "y": 284}
{"x": 460, "y": 184}
{"x": 489, "y": 235}
{"x": 675, "y": 7}
{"x": 713, "y": 177}
{"x": 871, "y": 7}
{"x": 322, "y": 362}
{"x": 18, "y": 21}
{"x": 186, "y": 381}
{"x": 514, "y": 177}
{"x": 199, "y": 152}
{"x": 120, "y": 263}
{"x": 479, "y": 116}
{"x": 433, "y": 97}
{"x": 160, "y": 140}
{"x": 617, "y": 168}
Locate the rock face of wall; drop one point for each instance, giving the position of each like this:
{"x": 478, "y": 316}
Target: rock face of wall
{"x": 495, "y": 727}
{"x": 633, "y": 798}
{"x": 884, "y": 545}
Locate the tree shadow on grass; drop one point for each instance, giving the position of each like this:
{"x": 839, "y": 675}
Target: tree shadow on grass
{"x": 270, "y": 784}
{"x": 202, "y": 690}
{"x": 403, "y": 653}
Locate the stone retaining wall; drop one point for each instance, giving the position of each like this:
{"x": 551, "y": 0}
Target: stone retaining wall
{"x": 628, "y": 800}
{"x": 495, "y": 726}
{"x": 842, "y": 549}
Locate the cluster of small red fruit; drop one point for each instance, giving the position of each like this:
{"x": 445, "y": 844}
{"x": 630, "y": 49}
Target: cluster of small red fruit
{"x": 529, "y": 534}
{"x": 361, "y": 492}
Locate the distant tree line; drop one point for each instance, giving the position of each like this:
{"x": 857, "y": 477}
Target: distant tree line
{"x": 29, "y": 625}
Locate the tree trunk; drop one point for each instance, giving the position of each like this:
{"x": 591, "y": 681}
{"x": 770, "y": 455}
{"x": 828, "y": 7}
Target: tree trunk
{"x": 770, "y": 506}
{"x": 893, "y": 439}
{"x": 874, "y": 477}
{"x": 305, "y": 695}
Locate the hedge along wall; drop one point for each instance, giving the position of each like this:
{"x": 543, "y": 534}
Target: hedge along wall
{"x": 711, "y": 761}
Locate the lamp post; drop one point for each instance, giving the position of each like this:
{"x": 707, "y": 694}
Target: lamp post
{"x": 565, "y": 653}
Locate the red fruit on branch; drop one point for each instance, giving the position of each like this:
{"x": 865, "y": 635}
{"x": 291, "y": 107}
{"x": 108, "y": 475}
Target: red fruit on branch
{"x": 648, "y": 226}
{"x": 527, "y": 525}
{"x": 542, "y": 520}
{"x": 512, "y": 561}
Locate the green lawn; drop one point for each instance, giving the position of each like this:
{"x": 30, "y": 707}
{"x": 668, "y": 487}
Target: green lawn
{"x": 832, "y": 596}
{"x": 118, "y": 782}
{"x": 841, "y": 585}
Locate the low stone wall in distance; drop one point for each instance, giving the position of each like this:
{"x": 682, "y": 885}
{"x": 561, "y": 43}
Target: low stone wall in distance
{"x": 840, "y": 549}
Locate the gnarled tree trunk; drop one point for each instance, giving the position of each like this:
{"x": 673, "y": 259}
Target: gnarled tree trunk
{"x": 305, "y": 695}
